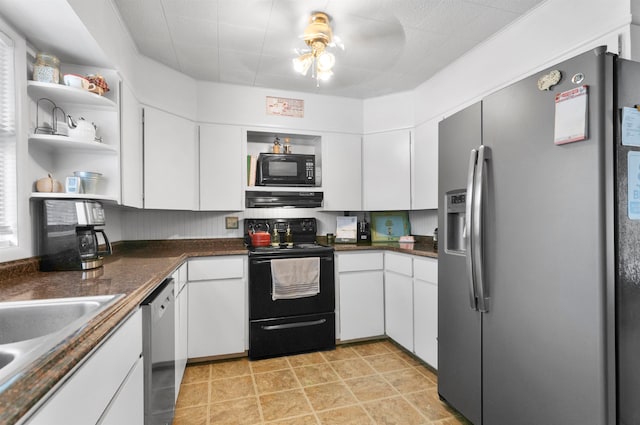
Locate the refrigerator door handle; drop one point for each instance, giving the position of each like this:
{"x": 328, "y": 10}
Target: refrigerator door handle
{"x": 468, "y": 227}
{"x": 479, "y": 194}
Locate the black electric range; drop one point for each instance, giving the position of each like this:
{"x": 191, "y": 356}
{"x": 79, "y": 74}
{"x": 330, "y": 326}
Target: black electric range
{"x": 287, "y": 326}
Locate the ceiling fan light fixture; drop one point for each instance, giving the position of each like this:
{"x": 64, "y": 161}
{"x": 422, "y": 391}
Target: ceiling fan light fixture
{"x": 318, "y": 35}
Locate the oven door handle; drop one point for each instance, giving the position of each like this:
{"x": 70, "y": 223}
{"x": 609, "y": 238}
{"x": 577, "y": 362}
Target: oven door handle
{"x": 253, "y": 261}
{"x": 260, "y": 261}
{"x": 294, "y": 325}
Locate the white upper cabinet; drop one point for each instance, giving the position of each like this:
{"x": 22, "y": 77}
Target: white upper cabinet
{"x": 220, "y": 167}
{"x": 131, "y": 148}
{"x": 342, "y": 172}
{"x": 424, "y": 167}
{"x": 170, "y": 162}
{"x": 386, "y": 171}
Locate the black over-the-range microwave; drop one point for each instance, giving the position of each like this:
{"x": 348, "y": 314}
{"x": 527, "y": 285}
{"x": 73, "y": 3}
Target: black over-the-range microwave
{"x": 286, "y": 169}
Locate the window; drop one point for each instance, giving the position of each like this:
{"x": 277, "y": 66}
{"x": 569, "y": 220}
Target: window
{"x": 8, "y": 142}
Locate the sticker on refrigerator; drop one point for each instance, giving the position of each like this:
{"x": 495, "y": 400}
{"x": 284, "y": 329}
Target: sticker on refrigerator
{"x": 630, "y": 127}
{"x": 633, "y": 180}
{"x": 571, "y": 116}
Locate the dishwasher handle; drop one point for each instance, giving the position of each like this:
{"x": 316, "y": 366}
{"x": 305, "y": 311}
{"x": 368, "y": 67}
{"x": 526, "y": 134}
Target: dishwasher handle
{"x": 161, "y": 299}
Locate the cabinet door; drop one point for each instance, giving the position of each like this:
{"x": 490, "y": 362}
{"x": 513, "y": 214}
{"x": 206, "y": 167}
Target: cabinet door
{"x": 398, "y": 292}
{"x": 361, "y": 304}
{"x": 220, "y": 167}
{"x": 170, "y": 163}
{"x": 425, "y": 315}
{"x": 342, "y": 172}
{"x": 96, "y": 381}
{"x": 216, "y": 317}
{"x": 181, "y": 326}
{"x": 131, "y": 148}
{"x": 127, "y": 407}
{"x": 424, "y": 169}
{"x": 386, "y": 170}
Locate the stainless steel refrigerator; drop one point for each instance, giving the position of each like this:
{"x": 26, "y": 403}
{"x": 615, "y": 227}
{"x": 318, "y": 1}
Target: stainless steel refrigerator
{"x": 539, "y": 265}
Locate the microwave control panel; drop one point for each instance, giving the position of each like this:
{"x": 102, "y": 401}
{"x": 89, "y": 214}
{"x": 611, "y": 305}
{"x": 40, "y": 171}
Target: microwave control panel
{"x": 310, "y": 171}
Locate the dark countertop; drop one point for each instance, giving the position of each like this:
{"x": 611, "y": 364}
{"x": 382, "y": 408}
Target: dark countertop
{"x": 135, "y": 270}
{"x": 422, "y": 249}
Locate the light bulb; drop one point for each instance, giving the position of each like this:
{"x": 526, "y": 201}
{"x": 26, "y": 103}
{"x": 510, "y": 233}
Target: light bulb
{"x": 326, "y": 61}
{"x": 324, "y": 75}
{"x": 302, "y": 63}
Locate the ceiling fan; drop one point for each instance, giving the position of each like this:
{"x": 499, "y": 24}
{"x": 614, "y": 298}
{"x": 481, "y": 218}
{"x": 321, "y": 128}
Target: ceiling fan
{"x": 318, "y": 36}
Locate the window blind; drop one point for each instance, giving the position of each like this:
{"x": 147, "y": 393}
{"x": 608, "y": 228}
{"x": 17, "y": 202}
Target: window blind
{"x": 8, "y": 171}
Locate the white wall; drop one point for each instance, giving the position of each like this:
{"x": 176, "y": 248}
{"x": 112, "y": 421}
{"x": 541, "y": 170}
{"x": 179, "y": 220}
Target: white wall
{"x": 556, "y": 30}
{"x": 392, "y": 112}
{"x": 152, "y": 83}
{"x": 164, "y": 88}
{"x": 240, "y": 105}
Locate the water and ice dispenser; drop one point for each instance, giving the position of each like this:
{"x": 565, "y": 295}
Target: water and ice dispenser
{"x": 454, "y": 231}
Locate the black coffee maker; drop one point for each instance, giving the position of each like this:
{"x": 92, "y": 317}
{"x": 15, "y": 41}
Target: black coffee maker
{"x": 68, "y": 235}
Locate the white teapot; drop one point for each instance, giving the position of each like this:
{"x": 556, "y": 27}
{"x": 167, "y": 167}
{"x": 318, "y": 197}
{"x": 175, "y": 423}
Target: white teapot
{"x": 81, "y": 129}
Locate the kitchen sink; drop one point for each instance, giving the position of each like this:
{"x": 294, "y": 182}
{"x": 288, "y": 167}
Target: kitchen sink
{"x": 23, "y": 320}
{"x": 5, "y": 359}
{"x": 29, "y": 329}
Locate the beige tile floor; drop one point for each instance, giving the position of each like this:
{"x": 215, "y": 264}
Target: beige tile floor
{"x": 357, "y": 384}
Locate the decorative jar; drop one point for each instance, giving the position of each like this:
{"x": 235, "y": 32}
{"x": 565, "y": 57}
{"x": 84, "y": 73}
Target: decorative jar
{"x": 46, "y": 68}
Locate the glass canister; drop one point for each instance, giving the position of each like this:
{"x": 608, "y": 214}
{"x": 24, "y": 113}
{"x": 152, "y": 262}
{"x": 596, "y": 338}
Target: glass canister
{"x": 46, "y": 68}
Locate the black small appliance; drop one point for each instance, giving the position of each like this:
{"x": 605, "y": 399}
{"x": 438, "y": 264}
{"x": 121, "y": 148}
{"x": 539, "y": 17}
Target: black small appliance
{"x": 67, "y": 235}
{"x": 286, "y": 169}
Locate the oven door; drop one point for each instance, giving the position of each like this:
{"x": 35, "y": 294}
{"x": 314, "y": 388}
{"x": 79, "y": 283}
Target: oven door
{"x": 261, "y": 304}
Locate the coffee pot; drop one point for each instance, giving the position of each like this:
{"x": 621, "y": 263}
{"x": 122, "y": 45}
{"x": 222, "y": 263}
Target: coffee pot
{"x": 68, "y": 235}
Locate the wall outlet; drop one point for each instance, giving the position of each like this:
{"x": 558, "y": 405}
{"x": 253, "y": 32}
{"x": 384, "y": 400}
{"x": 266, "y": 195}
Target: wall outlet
{"x": 231, "y": 222}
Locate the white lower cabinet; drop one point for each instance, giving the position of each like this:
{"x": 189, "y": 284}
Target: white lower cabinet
{"x": 360, "y": 282}
{"x": 107, "y": 385}
{"x": 398, "y": 298}
{"x": 425, "y": 309}
{"x": 425, "y": 318}
{"x": 411, "y": 304}
{"x": 125, "y": 407}
{"x": 217, "y": 306}
{"x": 181, "y": 323}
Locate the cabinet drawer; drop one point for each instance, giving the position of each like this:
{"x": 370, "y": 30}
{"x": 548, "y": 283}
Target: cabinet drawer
{"x": 216, "y": 268}
{"x": 398, "y": 263}
{"x": 426, "y": 269}
{"x": 360, "y": 261}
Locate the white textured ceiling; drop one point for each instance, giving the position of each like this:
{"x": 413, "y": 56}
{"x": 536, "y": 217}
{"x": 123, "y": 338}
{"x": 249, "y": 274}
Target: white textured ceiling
{"x": 390, "y": 45}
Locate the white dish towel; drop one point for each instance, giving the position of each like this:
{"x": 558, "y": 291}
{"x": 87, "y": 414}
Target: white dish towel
{"x": 295, "y": 278}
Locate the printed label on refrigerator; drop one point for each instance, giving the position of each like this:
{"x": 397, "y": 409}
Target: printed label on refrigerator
{"x": 571, "y": 116}
{"x": 633, "y": 180}
{"x": 630, "y": 127}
